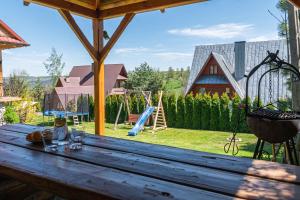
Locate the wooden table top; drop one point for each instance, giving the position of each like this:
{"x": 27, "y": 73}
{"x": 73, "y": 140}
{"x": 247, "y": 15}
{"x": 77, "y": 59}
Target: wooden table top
{"x": 110, "y": 168}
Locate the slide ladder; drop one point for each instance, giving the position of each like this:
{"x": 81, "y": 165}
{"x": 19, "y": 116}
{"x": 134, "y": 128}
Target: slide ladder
{"x": 141, "y": 121}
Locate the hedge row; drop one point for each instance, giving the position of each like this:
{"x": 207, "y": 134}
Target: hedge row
{"x": 202, "y": 112}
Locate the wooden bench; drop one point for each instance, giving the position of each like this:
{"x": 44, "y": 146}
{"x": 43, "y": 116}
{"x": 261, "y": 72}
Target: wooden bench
{"x": 111, "y": 168}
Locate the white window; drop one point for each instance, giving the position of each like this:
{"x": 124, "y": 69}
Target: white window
{"x": 215, "y": 69}
{"x": 202, "y": 90}
{"x": 211, "y": 71}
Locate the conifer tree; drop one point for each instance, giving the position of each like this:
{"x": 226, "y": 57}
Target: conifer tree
{"x": 215, "y": 113}
{"x": 225, "y": 112}
{"x": 189, "y": 108}
{"x": 205, "y": 114}
{"x": 180, "y": 112}
{"x": 172, "y": 110}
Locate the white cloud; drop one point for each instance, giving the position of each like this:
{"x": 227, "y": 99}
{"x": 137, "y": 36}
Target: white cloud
{"x": 131, "y": 50}
{"x": 271, "y": 36}
{"x": 220, "y": 31}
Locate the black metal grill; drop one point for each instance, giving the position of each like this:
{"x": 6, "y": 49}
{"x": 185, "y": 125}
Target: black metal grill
{"x": 274, "y": 114}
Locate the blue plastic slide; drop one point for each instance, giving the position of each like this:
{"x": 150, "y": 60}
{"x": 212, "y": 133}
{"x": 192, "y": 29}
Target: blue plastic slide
{"x": 141, "y": 121}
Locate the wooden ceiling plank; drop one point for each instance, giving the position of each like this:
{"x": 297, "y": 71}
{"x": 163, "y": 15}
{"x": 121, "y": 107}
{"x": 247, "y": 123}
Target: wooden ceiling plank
{"x": 117, "y": 34}
{"x": 65, "y": 5}
{"x": 76, "y": 29}
{"x": 85, "y": 3}
{"x": 295, "y": 2}
{"x": 117, "y": 3}
{"x": 144, "y": 6}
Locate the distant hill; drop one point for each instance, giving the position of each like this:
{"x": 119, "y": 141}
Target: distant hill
{"x": 46, "y": 80}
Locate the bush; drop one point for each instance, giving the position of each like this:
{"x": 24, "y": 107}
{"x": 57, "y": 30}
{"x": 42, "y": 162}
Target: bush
{"x": 236, "y": 101}
{"x": 165, "y": 104}
{"x": 92, "y": 108}
{"x": 142, "y": 104}
{"x": 123, "y": 113}
{"x": 283, "y": 104}
{"x": 205, "y": 115}
{"x": 256, "y": 104}
{"x": 197, "y": 112}
{"x": 215, "y": 112}
{"x": 243, "y": 127}
{"x": 225, "y": 112}
{"x": 107, "y": 108}
{"x": 189, "y": 108}
{"x": 180, "y": 112}
{"x": 114, "y": 108}
{"x": 134, "y": 105}
{"x": 172, "y": 110}
{"x": 155, "y": 99}
{"x": 10, "y": 115}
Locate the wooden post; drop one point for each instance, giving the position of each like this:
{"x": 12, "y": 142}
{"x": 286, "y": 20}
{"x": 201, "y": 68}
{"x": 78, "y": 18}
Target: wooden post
{"x": 99, "y": 89}
{"x": 1, "y": 75}
{"x": 294, "y": 35}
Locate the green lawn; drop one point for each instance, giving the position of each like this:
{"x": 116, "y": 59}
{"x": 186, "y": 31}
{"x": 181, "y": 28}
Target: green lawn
{"x": 200, "y": 140}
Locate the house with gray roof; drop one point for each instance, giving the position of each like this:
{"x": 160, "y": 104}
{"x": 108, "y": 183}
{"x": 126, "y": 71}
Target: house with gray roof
{"x": 222, "y": 68}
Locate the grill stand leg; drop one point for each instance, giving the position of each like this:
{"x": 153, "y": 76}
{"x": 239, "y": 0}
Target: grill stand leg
{"x": 261, "y": 149}
{"x": 289, "y": 152}
{"x": 256, "y": 148}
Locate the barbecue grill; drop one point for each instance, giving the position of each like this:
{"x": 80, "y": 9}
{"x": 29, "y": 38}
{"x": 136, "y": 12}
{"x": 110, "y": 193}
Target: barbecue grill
{"x": 269, "y": 120}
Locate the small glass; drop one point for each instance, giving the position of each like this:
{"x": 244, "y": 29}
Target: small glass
{"x": 76, "y": 139}
{"x": 50, "y": 147}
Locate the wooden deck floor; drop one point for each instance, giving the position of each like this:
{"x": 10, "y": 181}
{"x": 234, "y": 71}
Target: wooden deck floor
{"x": 109, "y": 168}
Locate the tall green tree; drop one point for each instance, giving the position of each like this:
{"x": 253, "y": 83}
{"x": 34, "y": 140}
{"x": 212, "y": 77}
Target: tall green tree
{"x": 172, "y": 110}
{"x": 54, "y": 66}
{"x": 107, "y": 108}
{"x": 225, "y": 112}
{"x": 180, "y": 121}
{"x": 205, "y": 114}
{"x": 142, "y": 104}
{"x": 114, "y": 108}
{"x": 189, "y": 108}
{"x": 38, "y": 91}
{"x": 146, "y": 78}
{"x": 215, "y": 113}
{"x": 197, "y": 112}
{"x": 134, "y": 105}
{"x": 236, "y": 113}
{"x": 17, "y": 85}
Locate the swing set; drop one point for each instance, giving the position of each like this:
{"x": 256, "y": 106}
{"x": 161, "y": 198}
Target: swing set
{"x": 157, "y": 115}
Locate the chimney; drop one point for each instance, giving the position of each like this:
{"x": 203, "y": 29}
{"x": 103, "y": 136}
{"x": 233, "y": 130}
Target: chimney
{"x": 240, "y": 60}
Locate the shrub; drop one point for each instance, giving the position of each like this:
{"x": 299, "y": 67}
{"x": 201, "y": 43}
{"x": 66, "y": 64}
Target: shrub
{"x": 243, "y": 127}
{"x": 107, "y": 108}
{"x": 180, "y": 112}
{"x": 189, "y": 108}
{"x": 155, "y": 99}
{"x": 283, "y": 104}
{"x": 114, "y": 108}
{"x": 134, "y": 105}
{"x": 172, "y": 110}
{"x": 165, "y": 104}
{"x": 256, "y": 104}
{"x": 10, "y": 115}
{"x": 205, "y": 115}
{"x": 92, "y": 107}
{"x": 123, "y": 113}
{"x": 236, "y": 101}
{"x": 197, "y": 112}
{"x": 142, "y": 104}
{"x": 225, "y": 112}
{"x": 215, "y": 112}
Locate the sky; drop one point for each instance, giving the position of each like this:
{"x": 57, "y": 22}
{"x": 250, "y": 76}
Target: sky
{"x": 162, "y": 40}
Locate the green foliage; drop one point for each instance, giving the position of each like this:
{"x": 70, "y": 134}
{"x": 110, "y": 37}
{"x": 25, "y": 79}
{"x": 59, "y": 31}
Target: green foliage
{"x": 107, "y": 108}
{"x": 10, "y": 115}
{"x": 225, "y": 112}
{"x": 54, "y": 66}
{"x": 92, "y": 108}
{"x": 189, "y": 108}
{"x": 256, "y": 104}
{"x": 17, "y": 85}
{"x": 134, "y": 105}
{"x": 123, "y": 112}
{"x": 142, "y": 104}
{"x": 38, "y": 91}
{"x": 180, "y": 122}
{"x": 205, "y": 114}
{"x": 243, "y": 127}
{"x": 283, "y": 104}
{"x": 236, "y": 112}
{"x": 165, "y": 105}
{"x": 145, "y": 78}
{"x": 197, "y": 111}
{"x": 172, "y": 109}
{"x": 215, "y": 112}
{"x": 170, "y": 73}
{"x": 155, "y": 99}
{"x": 114, "y": 108}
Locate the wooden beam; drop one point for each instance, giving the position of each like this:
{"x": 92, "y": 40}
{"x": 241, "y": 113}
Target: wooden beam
{"x": 295, "y": 2}
{"x": 62, "y": 4}
{"x": 117, "y": 34}
{"x": 143, "y": 6}
{"x": 1, "y": 75}
{"x": 76, "y": 29}
{"x": 99, "y": 79}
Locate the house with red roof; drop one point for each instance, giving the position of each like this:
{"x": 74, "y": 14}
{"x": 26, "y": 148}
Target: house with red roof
{"x": 8, "y": 39}
{"x": 81, "y": 81}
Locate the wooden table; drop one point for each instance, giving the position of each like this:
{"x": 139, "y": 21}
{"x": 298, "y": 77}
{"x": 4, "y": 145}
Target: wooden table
{"x": 109, "y": 168}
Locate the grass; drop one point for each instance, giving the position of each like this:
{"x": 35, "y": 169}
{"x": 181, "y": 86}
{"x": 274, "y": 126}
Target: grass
{"x": 199, "y": 140}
